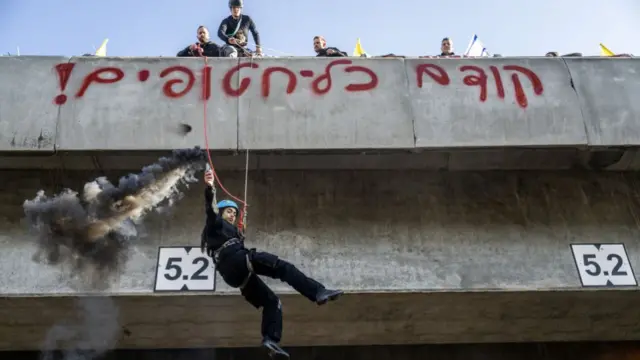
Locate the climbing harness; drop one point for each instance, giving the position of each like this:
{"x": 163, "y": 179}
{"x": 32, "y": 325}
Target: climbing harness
{"x": 242, "y": 217}
{"x": 249, "y": 265}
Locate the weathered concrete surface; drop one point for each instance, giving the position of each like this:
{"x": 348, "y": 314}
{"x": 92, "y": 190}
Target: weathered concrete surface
{"x": 608, "y": 94}
{"x": 528, "y": 351}
{"x": 455, "y": 114}
{"x": 127, "y": 104}
{"x": 340, "y": 119}
{"x": 420, "y": 231}
{"x": 132, "y": 114}
{"x": 417, "y": 250}
{"x": 486, "y": 159}
{"x": 28, "y": 115}
{"x": 477, "y": 159}
{"x": 197, "y": 321}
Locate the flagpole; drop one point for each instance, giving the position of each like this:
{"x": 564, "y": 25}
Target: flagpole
{"x": 470, "y": 44}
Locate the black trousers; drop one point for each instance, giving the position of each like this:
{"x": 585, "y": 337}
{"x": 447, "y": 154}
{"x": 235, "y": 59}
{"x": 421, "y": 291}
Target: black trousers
{"x": 238, "y": 265}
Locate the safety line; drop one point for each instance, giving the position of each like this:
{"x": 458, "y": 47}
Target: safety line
{"x": 215, "y": 174}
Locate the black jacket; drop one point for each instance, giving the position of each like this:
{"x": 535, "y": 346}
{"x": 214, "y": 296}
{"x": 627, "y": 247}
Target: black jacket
{"x": 337, "y": 52}
{"x": 209, "y": 49}
{"x": 229, "y": 25}
{"x": 216, "y": 230}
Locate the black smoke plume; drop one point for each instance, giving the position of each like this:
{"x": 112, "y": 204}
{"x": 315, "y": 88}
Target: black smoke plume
{"x": 97, "y": 228}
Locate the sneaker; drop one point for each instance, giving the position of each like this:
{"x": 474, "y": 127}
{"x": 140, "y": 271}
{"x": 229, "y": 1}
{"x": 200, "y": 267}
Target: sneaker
{"x": 326, "y": 295}
{"x": 275, "y": 351}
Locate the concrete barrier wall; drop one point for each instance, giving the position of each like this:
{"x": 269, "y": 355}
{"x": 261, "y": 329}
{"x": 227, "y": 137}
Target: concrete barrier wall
{"x": 88, "y": 103}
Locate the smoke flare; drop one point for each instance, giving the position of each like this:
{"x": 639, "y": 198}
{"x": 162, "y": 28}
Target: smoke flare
{"x": 89, "y": 335}
{"x": 98, "y": 227}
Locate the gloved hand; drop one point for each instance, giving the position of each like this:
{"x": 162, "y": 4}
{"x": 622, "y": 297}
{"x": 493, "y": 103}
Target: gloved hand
{"x": 208, "y": 177}
{"x": 196, "y": 49}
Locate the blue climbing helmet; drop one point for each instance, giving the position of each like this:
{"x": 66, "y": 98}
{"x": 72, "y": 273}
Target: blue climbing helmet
{"x": 228, "y": 203}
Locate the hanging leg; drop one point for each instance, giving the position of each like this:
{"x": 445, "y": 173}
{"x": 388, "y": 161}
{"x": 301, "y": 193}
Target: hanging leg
{"x": 258, "y": 294}
{"x": 270, "y": 265}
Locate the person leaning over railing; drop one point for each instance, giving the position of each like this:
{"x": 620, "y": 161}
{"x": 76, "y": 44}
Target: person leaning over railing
{"x": 204, "y": 46}
{"x": 321, "y": 49}
{"x": 234, "y": 29}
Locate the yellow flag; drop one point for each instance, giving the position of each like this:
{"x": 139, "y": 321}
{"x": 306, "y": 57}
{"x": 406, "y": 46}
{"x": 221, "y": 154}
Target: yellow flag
{"x": 102, "y": 50}
{"x": 358, "y": 51}
{"x": 605, "y": 52}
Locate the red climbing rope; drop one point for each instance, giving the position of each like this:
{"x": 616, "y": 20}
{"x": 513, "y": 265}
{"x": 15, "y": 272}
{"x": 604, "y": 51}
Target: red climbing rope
{"x": 213, "y": 169}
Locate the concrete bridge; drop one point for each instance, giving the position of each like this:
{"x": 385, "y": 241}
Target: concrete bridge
{"x": 444, "y": 195}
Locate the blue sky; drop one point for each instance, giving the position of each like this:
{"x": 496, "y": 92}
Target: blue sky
{"x": 408, "y": 27}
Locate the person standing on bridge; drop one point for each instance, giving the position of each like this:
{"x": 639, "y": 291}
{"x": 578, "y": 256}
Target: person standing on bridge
{"x": 240, "y": 267}
{"x": 446, "y": 47}
{"x": 204, "y": 46}
{"x": 233, "y": 30}
{"x": 321, "y": 49}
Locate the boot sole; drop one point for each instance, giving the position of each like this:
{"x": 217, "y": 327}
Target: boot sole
{"x": 276, "y": 353}
{"x": 330, "y": 298}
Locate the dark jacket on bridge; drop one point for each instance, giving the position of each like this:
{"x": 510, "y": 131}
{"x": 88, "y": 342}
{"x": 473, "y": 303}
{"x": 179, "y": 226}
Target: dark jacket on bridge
{"x": 208, "y": 49}
{"x": 229, "y": 27}
{"x": 337, "y": 52}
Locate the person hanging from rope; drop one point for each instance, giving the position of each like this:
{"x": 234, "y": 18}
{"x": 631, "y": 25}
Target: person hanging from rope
{"x": 239, "y": 267}
{"x": 233, "y": 30}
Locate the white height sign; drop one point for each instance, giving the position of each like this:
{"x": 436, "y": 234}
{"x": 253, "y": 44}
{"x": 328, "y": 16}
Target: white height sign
{"x": 603, "y": 265}
{"x": 184, "y": 268}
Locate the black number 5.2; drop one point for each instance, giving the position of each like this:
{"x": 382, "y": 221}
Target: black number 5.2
{"x": 588, "y": 261}
{"x": 198, "y": 274}
{"x": 172, "y": 264}
{"x": 616, "y": 269}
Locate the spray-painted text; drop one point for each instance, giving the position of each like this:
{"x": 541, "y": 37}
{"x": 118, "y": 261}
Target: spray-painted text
{"x": 477, "y": 76}
{"x": 179, "y": 80}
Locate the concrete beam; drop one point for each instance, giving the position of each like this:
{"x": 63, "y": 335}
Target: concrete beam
{"x": 113, "y": 104}
{"x": 326, "y": 114}
{"x": 456, "y": 160}
{"x": 599, "y": 350}
{"x": 494, "y": 102}
{"x": 142, "y": 104}
{"x": 608, "y": 96}
{"x": 28, "y": 115}
{"x": 479, "y": 252}
{"x": 218, "y": 321}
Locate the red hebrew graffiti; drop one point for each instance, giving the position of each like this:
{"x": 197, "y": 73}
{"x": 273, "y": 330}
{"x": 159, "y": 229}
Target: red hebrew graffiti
{"x": 318, "y": 90}
{"x": 320, "y": 85}
{"x": 143, "y": 75}
{"x": 179, "y": 80}
{"x": 266, "y": 79}
{"x": 168, "y": 89}
{"x": 535, "y": 80}
{"x": 206, "y": 82}
{"x": 477, "y": 76}
{"x": 64, "y": 72}
{"x": 95, "y": 77}
{"x": 244, "y": 83}
{"x": 478, "y": 80}
{"x": 436, "y": 73}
